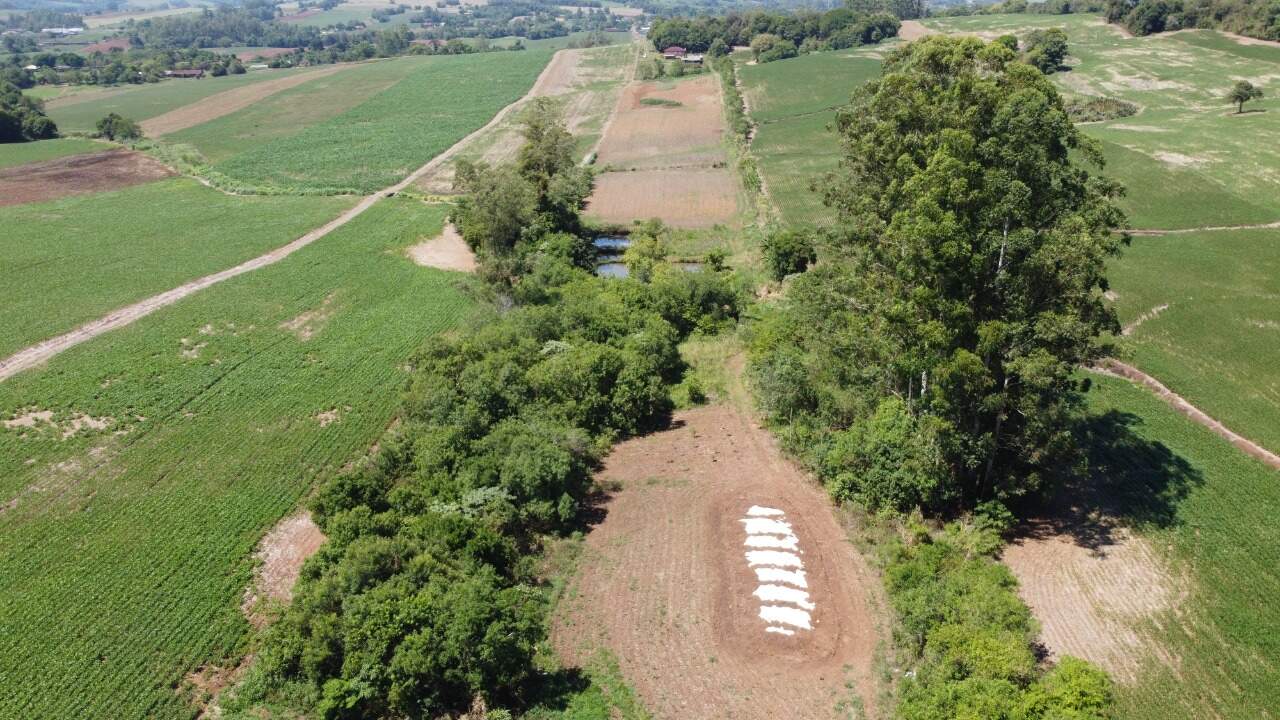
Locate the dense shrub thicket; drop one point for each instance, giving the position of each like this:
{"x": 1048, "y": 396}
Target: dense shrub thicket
{"x": 22, "y": 117}
{"x": 424, "y": 595}
{"x": 970, "y": 638}
{"x": 1255, "y": 18}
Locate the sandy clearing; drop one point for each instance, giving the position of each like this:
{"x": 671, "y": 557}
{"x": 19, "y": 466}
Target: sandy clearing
{"x": 446, "y": 251}
{"x": 684, "y": 198}
{"x": 1095, "y": 601}
{"x": 664, "y": 584}
{"x": 1177, "y": 402}
{"x": 280, "y": 556}
{"x": 78, "y": 175}
{"x": 914, "y": 30}
{"x": 228, "y": 101}
{"x": 41, "y": 352}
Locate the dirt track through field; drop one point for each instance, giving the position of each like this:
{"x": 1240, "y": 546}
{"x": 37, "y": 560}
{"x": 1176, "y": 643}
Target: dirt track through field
{"x": 1177, "y": 402}
{"x": 679, "y": 582}
{"x": 78, "y": 175}
{"x": 228, "y": 101}
{"x": 41, "y": 352}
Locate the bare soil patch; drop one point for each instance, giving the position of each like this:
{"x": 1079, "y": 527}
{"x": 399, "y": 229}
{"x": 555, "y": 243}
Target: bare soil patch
{"x": 648, "y": 136}
{"x": 914, "y": 30}
{"x": 281, "y": 555}
{"x": 229, "y": 101}
{"x": 685, "y": 198}
{"x": 306, "y": 325}
{"x": 106, "y": 46}
{"x": 78, "y": 175}
{"x": 446, "y": 251}
{"x": 263, "y": 53}
{"x": 664, "y": 581}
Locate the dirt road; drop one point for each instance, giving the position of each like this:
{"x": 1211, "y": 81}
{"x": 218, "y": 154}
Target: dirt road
{"x": 721, "y": 580}
{"x": 39, "y": 353}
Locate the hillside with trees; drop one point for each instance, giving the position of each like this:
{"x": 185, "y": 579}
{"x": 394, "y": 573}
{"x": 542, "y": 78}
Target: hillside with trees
{"x": 1253, "y": 18}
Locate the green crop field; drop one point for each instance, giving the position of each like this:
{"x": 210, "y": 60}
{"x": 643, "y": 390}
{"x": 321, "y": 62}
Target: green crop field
{"x": 69, "y": 261}
{"x": 79, "y": 112}
{"x": 793, "y": 102}
{"x": 12, "y": 154}
{"x": 290, "y": 111}
{"x": 126, "y": 550}
{"x": 1216, "y": 343}
{"x": 1212, "y": 509}
{"x": 384, "y": 138}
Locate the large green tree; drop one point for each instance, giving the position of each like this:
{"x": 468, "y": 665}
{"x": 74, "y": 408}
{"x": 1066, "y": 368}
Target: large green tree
{"x": 964, "y": 281}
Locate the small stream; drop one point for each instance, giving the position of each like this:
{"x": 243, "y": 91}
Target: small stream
{"x": 609, "y": 250}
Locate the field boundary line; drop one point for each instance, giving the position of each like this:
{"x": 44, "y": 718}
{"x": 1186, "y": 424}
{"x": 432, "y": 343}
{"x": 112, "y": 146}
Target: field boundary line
{"x": 36, "y": 354}
{"x": 1207, "y": 228}
{"x": 636, "y": 39}
{"x": 1115, "y": 368}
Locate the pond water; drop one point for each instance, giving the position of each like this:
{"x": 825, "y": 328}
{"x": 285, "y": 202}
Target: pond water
{"x": 609, "y": 250}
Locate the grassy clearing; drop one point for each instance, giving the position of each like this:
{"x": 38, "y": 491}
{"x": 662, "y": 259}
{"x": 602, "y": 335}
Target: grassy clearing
{"x": 154, "y": 528}
{"x": 1216, "y": 342}
{"x": 79, "y": 112}
{"x": 383, "y": 139}
{"x": 1213, "y": 510}
{"x": 793, "y": 102}
{"x": 12, "y": 154}
{"x": 68, "y": 261}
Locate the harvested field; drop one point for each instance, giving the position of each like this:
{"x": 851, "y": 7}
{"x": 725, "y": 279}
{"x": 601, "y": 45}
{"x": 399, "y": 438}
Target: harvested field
{"x": 667, "y": 159}
{"x": 674, "y": 583}
{"x": 106, "y": 46}
{"x": 225, "y": 103}
{"x": 78, "y": 175}
{"x": 659, "y": 136}
{"x": 692, "y": 198}
{"x": 446, "y": 251}
{"x": 1097, "y": 594}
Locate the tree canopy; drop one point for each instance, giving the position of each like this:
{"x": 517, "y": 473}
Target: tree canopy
{"x": 959, "y": 292}
{"x": 1242, "y": 92}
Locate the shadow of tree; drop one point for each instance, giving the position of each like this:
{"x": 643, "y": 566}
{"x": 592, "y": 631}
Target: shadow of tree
{"x": 1131, "y": 481}
{"x": 548, "y": 693}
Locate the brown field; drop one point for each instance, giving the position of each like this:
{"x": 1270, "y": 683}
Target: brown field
{"x": 78, "y": 175}
{"x": 664, "y": 584}
{"x": 263, "y": 53}
{"x": 115, "y": 43}
{"x": 688, "y": 198}
{"x": 228, "y": 101}
{"x": 657, "y": 136}
{"x": 666, "y": 161}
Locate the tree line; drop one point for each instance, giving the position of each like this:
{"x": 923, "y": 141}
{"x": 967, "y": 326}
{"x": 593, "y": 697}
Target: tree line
{"x": 1146, "y": 17}
{"x": 775, "y": 36}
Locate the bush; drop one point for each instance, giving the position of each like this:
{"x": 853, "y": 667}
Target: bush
{"x": 890, "y": 460}
{"x": 787, "y": 252}
{"x": 116, "y": 127}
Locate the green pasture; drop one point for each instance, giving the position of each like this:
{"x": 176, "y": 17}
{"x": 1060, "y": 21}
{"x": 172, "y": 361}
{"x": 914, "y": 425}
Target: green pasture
{"x": 381, "y": 140}
{"x": 80, "y": 112}
{"x": 69, "y": 261}
{"x": 1192, "y": 143}
{"x": 1211, "y": 510}
{"x": 125, "y": 551}
{"x": 1218, "y": 342}
{"x": 793, "y": 103}
{"x": 21, "y": 153}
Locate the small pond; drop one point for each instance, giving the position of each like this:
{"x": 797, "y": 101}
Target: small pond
{"x": 609, "y": 250}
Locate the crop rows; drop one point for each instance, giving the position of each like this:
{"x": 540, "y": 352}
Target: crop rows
{"x": 125, "y": 551}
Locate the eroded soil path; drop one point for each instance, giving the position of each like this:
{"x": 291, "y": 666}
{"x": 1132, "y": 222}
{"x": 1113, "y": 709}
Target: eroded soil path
{"x": 41, "y": 352}
{"x": 682, "y": 581}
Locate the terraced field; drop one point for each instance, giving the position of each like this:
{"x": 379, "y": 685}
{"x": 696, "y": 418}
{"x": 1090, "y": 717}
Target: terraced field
{"x": 139, "y": 470}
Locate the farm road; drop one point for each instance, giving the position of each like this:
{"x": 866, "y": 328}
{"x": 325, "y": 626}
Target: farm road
{"x": 41, "y": 352}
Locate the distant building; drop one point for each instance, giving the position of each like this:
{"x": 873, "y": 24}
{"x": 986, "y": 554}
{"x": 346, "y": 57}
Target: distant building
{"x": 675, "y": 52}
{"x": 62, "y": 30}
{"x": 31, "y": 68}
{"x": 195, "y": 73}
{"x": 693, "y": 58}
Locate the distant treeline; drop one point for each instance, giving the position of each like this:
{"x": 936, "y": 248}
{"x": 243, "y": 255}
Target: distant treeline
{"x": 1247, "y": 17}
{"x": 775, "y": 32}
{"x": 534, "y": 20}
{"x": 37, "y": 20}
{"x": 1048, "y": 7}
